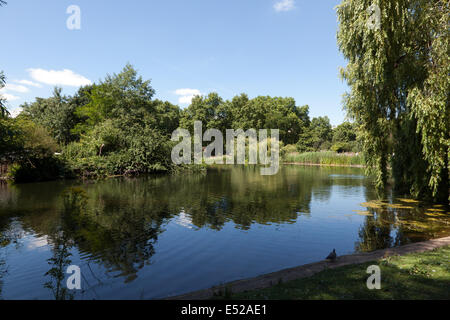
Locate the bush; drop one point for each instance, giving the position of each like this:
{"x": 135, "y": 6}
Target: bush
{"x": 325, "y": 146}
{"x": 124, "y": 151}
{"x": 38, "y": 169}
{"x": 341, "y": 147}
{"x": 290, "y": 148}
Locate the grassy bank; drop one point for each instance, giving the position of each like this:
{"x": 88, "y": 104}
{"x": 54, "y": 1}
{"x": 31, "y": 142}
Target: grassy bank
{"x": 413, "y": 276}
{"x": 325, "y": 158}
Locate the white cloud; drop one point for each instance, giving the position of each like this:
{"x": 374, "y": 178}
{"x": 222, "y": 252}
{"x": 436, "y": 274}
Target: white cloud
{"x": 9, "y": 97}
{"x": 36, "y": 243}
{"x": 186, "y": 92}
{"x": 64, "y": 77}
{"x": 28, "y": 83}
{"x": 186, "y": 95}
{"x": 284, "y": 5}
{"x": 15, "y": 88}
{"x": 15, "y": 112}
{"x": 12, "y": 87}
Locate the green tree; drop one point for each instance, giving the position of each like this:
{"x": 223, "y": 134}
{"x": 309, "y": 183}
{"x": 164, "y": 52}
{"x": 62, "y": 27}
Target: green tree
{"x": 37, "y": 141}
{"x": 55, "y": 113}
{"x": 167, "y": 116}
{"x": 398, "y": 75}
{"x": 316, "y": 136}
{"x": 345, "y": 132}
{"x": 3, "y": 109}
{"x": 121, "y": 130}
{"x": 322, "y": 128}
{"x": 345, "y": 138}
{"x": 244, "y": 113}
{"x": 204, "y": 109}
{"x": 11, "y": 139}
{"x": 125, "y": 95}
{"x": 30, "y": 149}
{"x": 22, "y": 139}
{"x": 271, "y": 113}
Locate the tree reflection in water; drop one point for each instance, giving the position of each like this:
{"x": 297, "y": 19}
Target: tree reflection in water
{"x": 59, "y": 262}
{"x": 119, "y": 238}
{"x": 396, "y": 224}
{"x": 116, "y": 224}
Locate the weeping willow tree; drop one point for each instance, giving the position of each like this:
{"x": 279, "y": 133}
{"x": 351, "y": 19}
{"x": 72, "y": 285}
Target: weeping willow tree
{"x": 398, "y": 72}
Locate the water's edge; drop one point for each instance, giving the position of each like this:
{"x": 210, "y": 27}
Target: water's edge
{"x": 307, "y": 270}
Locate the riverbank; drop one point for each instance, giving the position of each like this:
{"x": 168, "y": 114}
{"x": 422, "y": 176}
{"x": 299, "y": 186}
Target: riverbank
{"x": 346, "y": 277}
{"x": 324, "y": 165}
{"x": 417, "y": 276}
{"x": 324, "y": 158}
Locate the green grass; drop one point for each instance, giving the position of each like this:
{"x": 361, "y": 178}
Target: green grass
{"x": 414, "y": 276}
{"x": 324, "y": 158}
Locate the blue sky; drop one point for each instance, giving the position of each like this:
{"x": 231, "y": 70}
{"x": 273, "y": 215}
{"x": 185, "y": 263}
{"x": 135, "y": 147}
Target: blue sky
{"x": 260, "y": 47}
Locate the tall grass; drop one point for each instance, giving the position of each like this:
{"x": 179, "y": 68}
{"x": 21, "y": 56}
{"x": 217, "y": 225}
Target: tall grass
{"x": 324, "y": 158}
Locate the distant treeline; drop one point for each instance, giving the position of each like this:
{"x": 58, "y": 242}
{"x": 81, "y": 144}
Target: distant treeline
{"x": 399, "y": 97}
{"x": 115, "y": 127}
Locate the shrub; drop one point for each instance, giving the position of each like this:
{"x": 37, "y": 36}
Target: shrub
{"x": 124, "y": 151}
{"x": 290, "y": 148}
{"x": 38, "y": 169}
{"x": 325, "y": 146}
{"x": 341, "y": 147}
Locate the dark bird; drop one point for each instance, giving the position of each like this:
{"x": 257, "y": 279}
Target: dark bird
{"x": 332, "y": 256}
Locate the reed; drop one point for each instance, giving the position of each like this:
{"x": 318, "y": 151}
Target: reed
{"x": 325, "y": 158}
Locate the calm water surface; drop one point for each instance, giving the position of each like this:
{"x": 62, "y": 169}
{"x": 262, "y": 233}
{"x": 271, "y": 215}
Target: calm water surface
{"x": 154, "y": 237}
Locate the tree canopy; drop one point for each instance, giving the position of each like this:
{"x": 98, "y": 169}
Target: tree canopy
{"x": 115, "y": 127}
{"x": 244, "y": 113}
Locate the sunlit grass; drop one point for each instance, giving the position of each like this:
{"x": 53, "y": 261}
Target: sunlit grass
{"x": 413, "y": 276}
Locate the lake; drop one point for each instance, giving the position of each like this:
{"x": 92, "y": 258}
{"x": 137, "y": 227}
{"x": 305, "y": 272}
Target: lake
{"x": 158, "y": 236}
